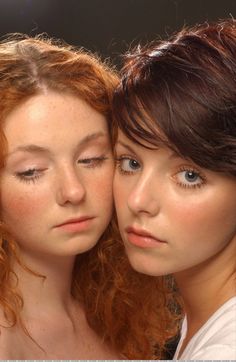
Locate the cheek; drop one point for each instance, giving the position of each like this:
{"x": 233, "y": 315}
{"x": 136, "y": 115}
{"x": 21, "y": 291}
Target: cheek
{"x": 206, "y": 220}
{"x": 120, "y": 192}
{"x": 20, "y": 208}
{"x": 187, "y": 215}
{"x": 100, "y": 188}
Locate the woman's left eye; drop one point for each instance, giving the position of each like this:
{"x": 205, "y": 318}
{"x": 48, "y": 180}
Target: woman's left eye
{"x": 189, "y": 178}
{"x": 92, "y": 162}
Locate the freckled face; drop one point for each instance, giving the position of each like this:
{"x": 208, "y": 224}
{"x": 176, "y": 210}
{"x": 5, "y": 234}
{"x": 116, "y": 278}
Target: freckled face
{"x": 173, "y": 216}
{"x": 56, "y": 188}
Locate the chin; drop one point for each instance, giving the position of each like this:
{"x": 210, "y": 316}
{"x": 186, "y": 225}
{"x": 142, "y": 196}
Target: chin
{"x": 76, "y": 247}
{"x": 146, "y": 265}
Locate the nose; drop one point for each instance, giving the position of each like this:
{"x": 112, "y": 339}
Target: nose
{"x": 71, "y": 189}
{"x": 143, "y": 197}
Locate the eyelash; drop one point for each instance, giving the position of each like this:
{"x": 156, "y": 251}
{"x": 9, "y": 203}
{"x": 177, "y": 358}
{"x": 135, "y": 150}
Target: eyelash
{"x": 93, "y": 161}
{"x": 186, "y": 168}
{"x": 87, "y": 162}
{"x": 30, "y": 178}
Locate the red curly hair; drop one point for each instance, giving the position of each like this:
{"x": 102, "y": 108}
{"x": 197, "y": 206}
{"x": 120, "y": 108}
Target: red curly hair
{"x": 132, "y": 312}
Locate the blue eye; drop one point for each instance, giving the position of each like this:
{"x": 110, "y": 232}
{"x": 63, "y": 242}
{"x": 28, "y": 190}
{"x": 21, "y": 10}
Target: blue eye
{"x": 189, "y": 178}
{"x": 128, "y": 165}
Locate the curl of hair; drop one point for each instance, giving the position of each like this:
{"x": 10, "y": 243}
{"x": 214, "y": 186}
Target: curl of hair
{"x": 129, "y": 311}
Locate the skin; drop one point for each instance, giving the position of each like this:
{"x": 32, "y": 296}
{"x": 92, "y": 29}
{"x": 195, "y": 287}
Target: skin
{"x": 191, "y": 211}
{"x": 154, "y": 195}
{"x": 70, "y": 177}
{"x": 59, "y": 166}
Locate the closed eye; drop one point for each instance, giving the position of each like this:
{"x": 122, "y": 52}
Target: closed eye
{"x": 92, "y": 162}
{"x": 30, "y": 175}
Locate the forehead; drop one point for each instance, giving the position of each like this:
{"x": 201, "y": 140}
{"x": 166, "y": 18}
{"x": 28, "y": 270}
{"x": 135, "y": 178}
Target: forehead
{"x": 48, "y": 117}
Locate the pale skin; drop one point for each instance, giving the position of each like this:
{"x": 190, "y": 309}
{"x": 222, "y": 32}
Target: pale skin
{"x": 59, "y": 167}
{"x": 190, "y": 215}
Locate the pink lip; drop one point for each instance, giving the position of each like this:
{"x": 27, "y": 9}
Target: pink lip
{"x": 142, "y": 238}
{"x": 76, "y": 225}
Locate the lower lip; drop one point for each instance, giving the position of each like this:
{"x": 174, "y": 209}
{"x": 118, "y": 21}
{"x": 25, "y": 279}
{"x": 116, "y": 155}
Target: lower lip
{"x": 76, "y": 226}
{"x": 144, "y": 241}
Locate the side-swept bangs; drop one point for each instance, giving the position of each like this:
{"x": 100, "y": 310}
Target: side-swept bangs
{"x": 170, "y": 97}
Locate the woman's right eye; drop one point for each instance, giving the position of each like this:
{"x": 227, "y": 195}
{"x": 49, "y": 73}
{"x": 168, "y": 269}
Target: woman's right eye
{"x": 127, "y": 165}
{"x": 30, "y": 175}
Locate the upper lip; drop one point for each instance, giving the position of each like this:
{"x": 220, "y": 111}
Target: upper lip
{"x": 74, "y": 220}
{"x": 141, "y": 232}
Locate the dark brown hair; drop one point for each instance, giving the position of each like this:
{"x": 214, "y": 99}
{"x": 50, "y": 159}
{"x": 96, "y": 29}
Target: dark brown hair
{"x": 182, "y": 93}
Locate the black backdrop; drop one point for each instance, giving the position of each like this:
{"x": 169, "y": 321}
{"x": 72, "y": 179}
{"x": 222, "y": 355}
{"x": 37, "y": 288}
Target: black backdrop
{"x": 108, "y": 26}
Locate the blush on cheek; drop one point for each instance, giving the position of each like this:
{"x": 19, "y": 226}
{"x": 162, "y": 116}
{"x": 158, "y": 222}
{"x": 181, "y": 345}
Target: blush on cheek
{"x": 104, "y": 195}
{"x": 20, "y": 207}
{"x": 203, "y": 221}
{"x": 193, "y": 210}
{"x": 103, "y": 189}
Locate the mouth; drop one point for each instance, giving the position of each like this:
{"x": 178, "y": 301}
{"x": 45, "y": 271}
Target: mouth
{"x": 76, "y": 224}
{"x": 142, "y": 238}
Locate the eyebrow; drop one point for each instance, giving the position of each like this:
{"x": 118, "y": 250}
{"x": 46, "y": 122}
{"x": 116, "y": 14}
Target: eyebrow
{"x": 32, "y": 148}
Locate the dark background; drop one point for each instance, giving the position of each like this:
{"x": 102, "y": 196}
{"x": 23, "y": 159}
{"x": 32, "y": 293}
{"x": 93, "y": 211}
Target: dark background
{"x": 108, "y": 26}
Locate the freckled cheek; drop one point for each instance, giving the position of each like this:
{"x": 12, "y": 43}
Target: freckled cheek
{"x": 121, "y": 193}
{"x": 100, "y": 188}
{"x": 29, "y": 206}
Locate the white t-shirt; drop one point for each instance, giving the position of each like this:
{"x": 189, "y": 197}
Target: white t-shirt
{"x": 215, "y": 340}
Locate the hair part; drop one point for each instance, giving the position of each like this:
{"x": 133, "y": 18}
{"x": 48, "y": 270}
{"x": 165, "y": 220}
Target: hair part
{"x": 29, "y": 66}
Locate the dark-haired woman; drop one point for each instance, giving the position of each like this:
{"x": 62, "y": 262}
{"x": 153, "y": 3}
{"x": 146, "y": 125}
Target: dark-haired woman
{"x": 175, "y": 183}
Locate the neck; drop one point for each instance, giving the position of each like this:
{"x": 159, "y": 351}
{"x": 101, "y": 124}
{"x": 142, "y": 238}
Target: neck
{"x": 51, "y": 290}
{"x": 206, "y": 287}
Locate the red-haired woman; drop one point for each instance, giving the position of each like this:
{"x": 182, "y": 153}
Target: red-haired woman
{"x": 66, "y": 288}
